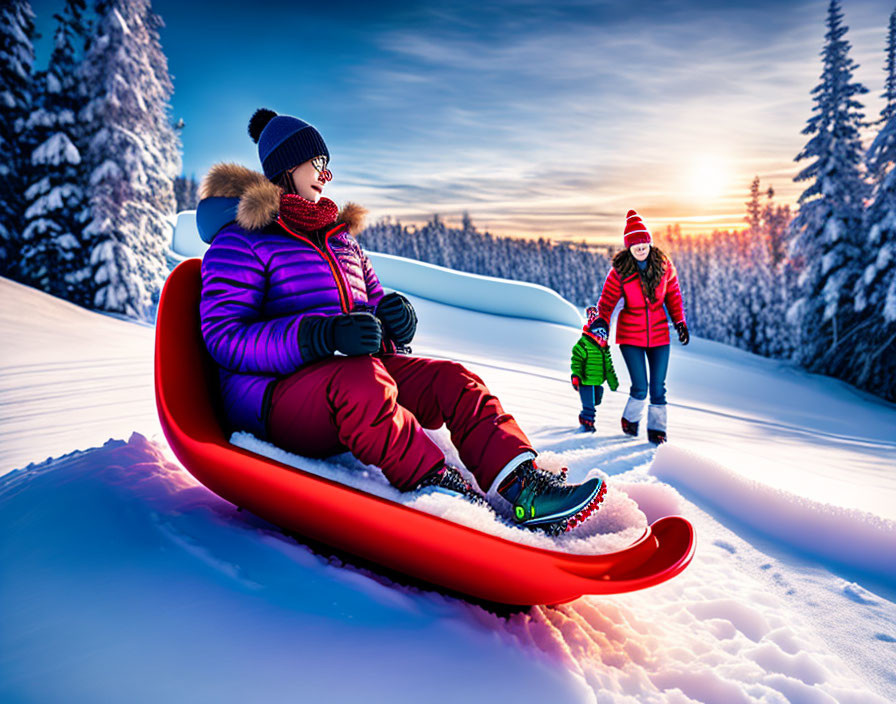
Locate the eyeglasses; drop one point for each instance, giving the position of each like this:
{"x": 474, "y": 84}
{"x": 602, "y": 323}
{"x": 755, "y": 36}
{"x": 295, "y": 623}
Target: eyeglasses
{"x": 320, "y": 165}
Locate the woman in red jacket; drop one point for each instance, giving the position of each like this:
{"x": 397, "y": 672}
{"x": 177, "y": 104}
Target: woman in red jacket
{"x": 645, "y": 278}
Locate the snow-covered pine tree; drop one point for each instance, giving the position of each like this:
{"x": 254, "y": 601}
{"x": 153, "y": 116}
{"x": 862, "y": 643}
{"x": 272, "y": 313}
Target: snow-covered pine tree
{"x": 753, "y": 283}
{"x": 691, "y": 264}
{"x": 763, "y": 289}
{"x": 754, "y": 207}
{"x": 750, "y": 286}
{"x": 186, "y": 193}
{"x": 826, "y": 235}
{"x": 776, "y": 221}
{"x": 16, "y": 66}
{"x": 132, "y": 157}
{"x": 166, "y": 134}
{"x": 875, "y": 299}
{"x": 52, "y": 255}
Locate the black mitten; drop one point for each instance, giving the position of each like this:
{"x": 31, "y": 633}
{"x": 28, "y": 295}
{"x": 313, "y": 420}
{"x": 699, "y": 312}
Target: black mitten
{"x": 357, "y": 333}
{"x": 315, "y": 338}
{"x": 350, "y": 333}
{"x": 398, "y": 317}
{"x": 683, "y": 335}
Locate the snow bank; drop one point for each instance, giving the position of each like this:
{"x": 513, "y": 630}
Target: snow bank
{"x": 124, "y": 580}
{"x": 121, "y": 579}
{"x": 486, "y": 294}
{"x": 69, "y": 377}
{"x": 616, "y": 525}
{"x": 185, "y": 240}
{"x": 845, "y": 536}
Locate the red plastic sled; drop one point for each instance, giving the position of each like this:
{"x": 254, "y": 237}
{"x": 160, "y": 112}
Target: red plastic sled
{"x": 398, "y": 537}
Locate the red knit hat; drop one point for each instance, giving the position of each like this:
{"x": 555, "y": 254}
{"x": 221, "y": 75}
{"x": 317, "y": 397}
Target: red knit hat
{"x": 636, "y": 231}
{"x": 591, "y": 313}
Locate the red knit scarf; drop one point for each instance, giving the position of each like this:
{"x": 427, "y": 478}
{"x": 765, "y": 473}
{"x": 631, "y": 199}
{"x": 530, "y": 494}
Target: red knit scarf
{"x": 302, "y": 215}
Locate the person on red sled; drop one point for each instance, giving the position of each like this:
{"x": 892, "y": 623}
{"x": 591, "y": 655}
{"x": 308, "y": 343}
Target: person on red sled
{"x": 308, "y": 344}
{"x": 591, "y": 365}
{"x": 645, "y": 278}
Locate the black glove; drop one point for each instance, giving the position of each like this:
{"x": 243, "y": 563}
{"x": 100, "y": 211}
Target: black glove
{"x": 600, "y": 327}
{"x": 683, "y": 335}
{"x": 350, "y": 333}
{"x": 398, "y": 318}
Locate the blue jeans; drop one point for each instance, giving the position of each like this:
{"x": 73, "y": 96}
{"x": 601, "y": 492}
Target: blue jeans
{"x": 636, "y": 359}
{"x": 591, "y": 396}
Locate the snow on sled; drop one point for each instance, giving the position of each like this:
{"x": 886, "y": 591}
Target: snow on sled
{"x": 398, "y": 537}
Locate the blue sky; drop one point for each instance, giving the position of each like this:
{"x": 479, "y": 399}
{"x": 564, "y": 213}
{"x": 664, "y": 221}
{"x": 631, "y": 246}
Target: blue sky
{"x": 537, "y": 118}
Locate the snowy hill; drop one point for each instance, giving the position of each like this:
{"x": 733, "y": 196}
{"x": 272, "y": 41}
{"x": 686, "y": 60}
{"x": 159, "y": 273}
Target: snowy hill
{"x": 122, "y": 579}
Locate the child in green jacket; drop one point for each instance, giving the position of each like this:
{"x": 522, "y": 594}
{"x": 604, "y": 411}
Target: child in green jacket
{"x": 591, "y": 366}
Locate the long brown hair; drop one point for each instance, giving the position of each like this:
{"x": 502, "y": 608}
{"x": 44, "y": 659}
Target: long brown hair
{"x": 625, "y": 265}
{"x": 284, "y": 180}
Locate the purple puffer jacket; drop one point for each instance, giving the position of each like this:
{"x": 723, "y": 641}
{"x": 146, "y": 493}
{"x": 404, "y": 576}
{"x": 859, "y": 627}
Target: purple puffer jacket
{"x": 258, "y": 283}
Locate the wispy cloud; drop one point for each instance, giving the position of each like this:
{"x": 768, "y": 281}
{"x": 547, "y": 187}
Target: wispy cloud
{"x": 519, "y": 128}
{"x": 536, "y": 118}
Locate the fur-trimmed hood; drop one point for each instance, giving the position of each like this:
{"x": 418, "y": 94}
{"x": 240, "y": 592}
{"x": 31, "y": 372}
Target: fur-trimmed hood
{"x": 259, "y": 198}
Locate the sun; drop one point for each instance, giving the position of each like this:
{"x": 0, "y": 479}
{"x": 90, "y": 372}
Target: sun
{"x": 708, "y": 176}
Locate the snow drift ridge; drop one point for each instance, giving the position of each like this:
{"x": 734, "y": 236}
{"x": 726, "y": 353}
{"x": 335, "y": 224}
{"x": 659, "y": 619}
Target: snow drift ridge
{"x": 846, "y": 536}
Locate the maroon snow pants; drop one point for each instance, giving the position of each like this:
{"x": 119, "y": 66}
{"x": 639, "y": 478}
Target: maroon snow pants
{"x": 377, "y": 407}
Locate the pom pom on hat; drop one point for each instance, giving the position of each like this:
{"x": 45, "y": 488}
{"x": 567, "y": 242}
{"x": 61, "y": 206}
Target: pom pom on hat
{"x": 284, "y": 141}
{"x": 259, "y": 121}
{"x": 636, "y": 231}
{"x": 591, "y": 313}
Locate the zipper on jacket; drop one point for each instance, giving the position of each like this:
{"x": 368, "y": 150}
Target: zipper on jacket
{"x": 339, "y": 271}
{"x": 647, "y": 315}
{"x": 646, "y": 304}
{"x": 345, "y": 301}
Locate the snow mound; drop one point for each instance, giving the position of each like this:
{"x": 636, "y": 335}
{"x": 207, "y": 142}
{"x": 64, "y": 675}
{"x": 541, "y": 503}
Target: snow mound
{"x": 617, "y": 524}
{"x": 122, "y": 569}
{"x": 486, "y": 294}
{"x": 845, "y": 536}
{"x": 186, "y": 241}
{"x": 122, "y": 579}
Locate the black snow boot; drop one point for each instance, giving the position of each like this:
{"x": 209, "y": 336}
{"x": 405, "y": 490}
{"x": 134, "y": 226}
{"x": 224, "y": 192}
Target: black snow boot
{"x": 656, "y": 423}
{"x": 448, "y": 480}
{"x": 629, "y": 427}
{"x": 544, "y": 500}
{"x": 657, "y": 437}
{"x": 587, "y": 424}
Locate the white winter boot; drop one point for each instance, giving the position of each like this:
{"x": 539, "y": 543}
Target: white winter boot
{"x": 656, "y": 424}
{"x": 631, "y": 416}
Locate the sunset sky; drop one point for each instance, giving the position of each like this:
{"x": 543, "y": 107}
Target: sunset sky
{"x": 537, "y": 118}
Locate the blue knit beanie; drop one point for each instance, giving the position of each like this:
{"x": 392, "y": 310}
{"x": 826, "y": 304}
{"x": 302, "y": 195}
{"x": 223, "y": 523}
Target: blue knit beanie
{"x": 284, "y": 141}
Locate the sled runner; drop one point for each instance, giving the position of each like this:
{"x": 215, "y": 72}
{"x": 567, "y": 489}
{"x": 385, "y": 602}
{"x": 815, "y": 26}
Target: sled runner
{"x": 398, "y": 537}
